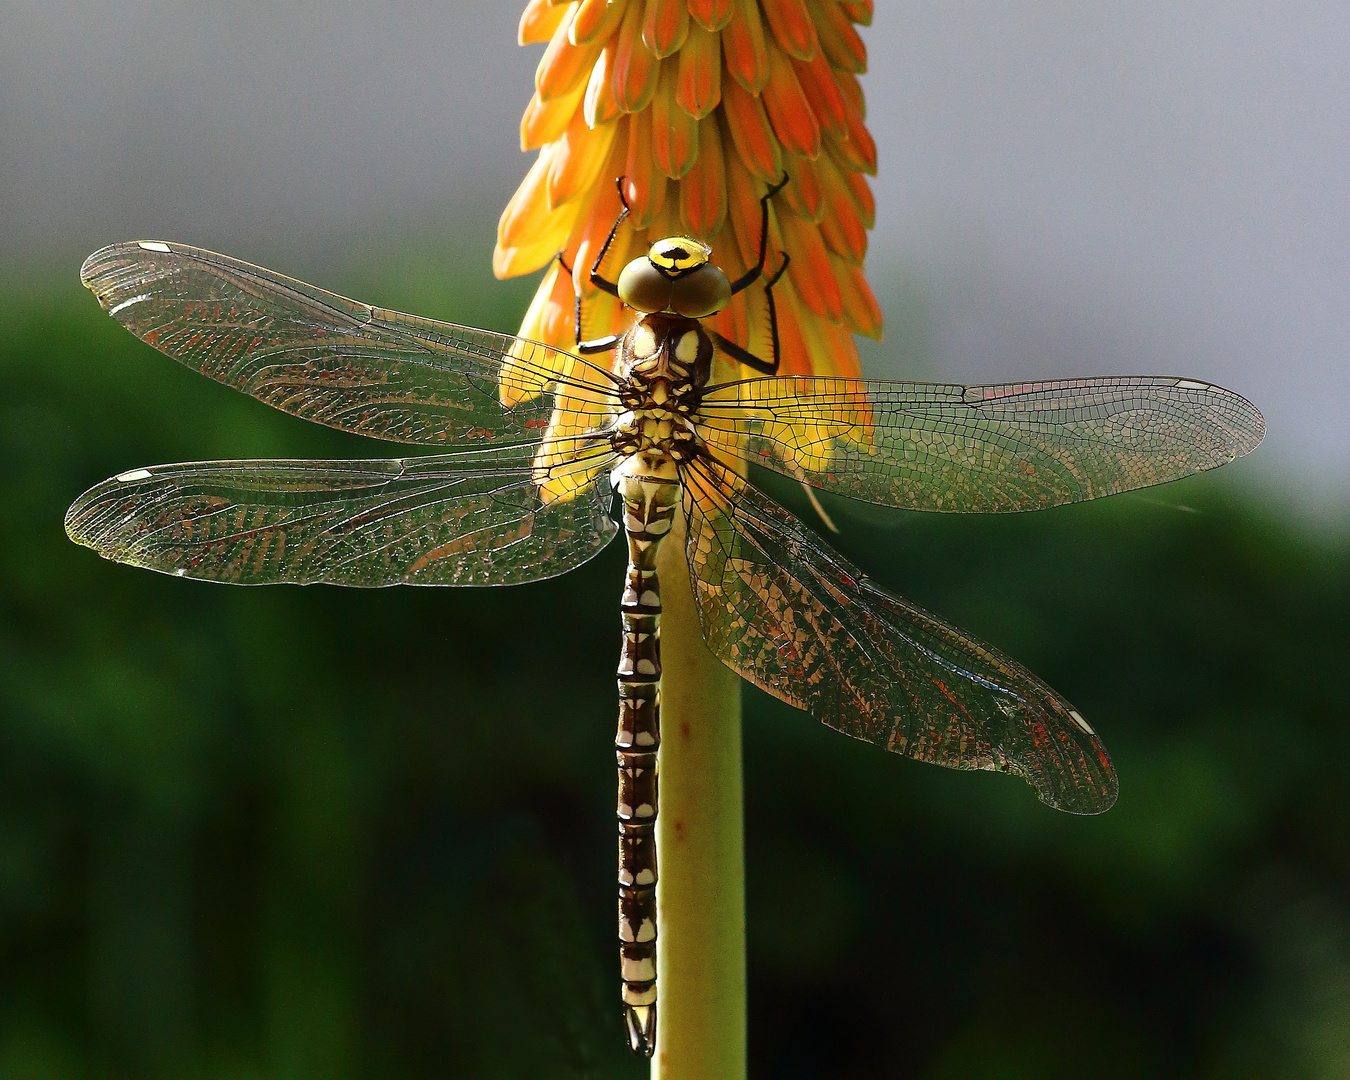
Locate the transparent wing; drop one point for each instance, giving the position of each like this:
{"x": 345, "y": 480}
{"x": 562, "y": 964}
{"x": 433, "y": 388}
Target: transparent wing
{"x": 455, "y": 519}
{"x": 1019, "y": 446}
{"x": 799, "y": 621}
{"x": 338, "y": 362}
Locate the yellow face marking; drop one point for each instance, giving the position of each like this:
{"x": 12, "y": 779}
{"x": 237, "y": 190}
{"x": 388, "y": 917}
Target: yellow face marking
{"x": 644, "y": 342}
{"x": 686, "y": 350}
{"x": 676, "y": 254}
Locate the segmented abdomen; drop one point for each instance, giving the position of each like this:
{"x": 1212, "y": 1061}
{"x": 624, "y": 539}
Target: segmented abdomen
{"x": 649, "y": 511}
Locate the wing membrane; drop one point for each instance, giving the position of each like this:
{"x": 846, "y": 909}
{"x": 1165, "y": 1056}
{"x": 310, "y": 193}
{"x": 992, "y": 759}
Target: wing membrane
{"x": 332, "y": 360}
{"x": 456, "y": 519}
{"x": 1020, "y": 446}
{"x": 802, "y": 623}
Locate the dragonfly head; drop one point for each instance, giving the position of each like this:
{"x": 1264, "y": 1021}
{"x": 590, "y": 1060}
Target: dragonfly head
{"x": 675, "y": 275}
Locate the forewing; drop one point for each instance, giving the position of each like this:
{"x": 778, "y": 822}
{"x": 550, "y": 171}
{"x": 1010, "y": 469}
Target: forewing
{"x": 455, "y": 519}
{"x": 337, "y": 362}
{"x": 1019, "y": 446}
{"x": 799, "y": 621}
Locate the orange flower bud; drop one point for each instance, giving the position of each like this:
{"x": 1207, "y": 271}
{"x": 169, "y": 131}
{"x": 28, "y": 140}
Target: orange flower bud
{"x": 710, "y": 14}
{"x": 793, "y": 120}
{"x": 699, "y": 86}
{"x": 793, "y": 27}
{"x": 665, "y": 26}
{"x": 674, "y": 128}
{"x": 703, "y": 194}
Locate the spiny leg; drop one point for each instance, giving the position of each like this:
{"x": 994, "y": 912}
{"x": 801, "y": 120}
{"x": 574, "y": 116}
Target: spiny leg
{"x": 649, "y": 510}
{"x": 736, "y": 352}
{"x": 595, "y": 345}
{"x": 752, "y": 275}
{"x": 597, "y": 279}
{"x": 745, "y": 356}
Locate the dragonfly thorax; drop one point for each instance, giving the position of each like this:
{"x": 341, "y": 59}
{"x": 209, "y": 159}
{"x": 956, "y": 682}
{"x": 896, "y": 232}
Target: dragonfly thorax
{"x": 664, "y": 361}
{"x": 669, "y": 347}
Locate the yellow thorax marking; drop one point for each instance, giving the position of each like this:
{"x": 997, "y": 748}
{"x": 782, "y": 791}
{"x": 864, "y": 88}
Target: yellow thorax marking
{"x": 686, "y": 349}
{"x": 644, "y": 341}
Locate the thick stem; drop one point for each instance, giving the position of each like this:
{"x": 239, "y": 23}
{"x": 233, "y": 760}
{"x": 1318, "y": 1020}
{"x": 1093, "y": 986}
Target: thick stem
{"x": 700, "y": 892}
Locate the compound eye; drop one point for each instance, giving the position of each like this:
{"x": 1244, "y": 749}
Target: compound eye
{"x": 643, "y": 287}
{"x": 701, "y": 292}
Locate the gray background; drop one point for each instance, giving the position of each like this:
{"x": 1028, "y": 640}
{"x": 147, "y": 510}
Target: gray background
{"x": 1066, "y": 187}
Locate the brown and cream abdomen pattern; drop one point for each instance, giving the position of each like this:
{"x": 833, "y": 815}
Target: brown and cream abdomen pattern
{"x": 649, "y": 505}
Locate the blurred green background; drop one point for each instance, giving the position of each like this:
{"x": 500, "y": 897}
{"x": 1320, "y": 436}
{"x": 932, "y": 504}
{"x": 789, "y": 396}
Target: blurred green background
{"x": 319, "y": 833}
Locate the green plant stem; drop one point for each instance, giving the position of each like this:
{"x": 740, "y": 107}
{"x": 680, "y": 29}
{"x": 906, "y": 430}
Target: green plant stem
{"x": 701, "y": 840}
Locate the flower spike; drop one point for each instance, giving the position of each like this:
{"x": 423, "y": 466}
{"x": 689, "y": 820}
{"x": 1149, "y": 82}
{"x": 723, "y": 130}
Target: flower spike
{"x": 702, "y": 106}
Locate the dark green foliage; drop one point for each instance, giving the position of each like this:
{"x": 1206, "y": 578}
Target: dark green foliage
{"x": 277, "y": 832}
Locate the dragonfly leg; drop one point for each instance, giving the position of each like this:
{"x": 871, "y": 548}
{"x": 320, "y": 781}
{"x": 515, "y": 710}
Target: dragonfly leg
{"x": 745, "y": 356}
{"x": 648, "y": 512}
{"x": 752, "y": 275}
{"x": 595, "y": 345}
{"x": 597, "y": 279}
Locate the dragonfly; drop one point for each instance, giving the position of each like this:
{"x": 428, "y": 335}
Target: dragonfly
{"x": 540, "y": 457}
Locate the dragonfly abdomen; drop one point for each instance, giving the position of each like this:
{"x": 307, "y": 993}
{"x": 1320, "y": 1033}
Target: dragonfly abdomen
{"x": 649, "y": 504}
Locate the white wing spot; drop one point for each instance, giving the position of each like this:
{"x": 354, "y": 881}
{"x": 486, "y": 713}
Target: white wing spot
{"x": 153, "y": 245}
{"x": 134, "y": 475}
{"x": 128, "y": 303}
{"x": 1192, "y": 384}
{"x": 1077, "y": 718}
